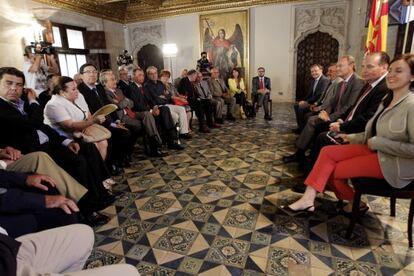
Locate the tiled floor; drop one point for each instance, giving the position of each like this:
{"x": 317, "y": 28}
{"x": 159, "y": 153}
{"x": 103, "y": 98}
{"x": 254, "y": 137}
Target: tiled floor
{"x": 212, "y": 210}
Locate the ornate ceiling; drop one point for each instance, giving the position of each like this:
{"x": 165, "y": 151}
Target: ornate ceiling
{"x": 127, "y": 11}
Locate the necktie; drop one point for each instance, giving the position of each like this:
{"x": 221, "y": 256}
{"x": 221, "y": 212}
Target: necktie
{"x": 341, "y": 92}
{"x": 261, "y": 84}
{"x": 315, "y": 83}
{"x": 204, "y": 92}
{"x": 97, "y": 95}
{"x": 366, "y": 91}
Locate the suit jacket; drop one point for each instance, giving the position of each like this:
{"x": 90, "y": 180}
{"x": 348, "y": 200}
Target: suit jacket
{"x": 365, "y": 109}
{"x": 186, "y": 88}
{"x": 349, "y": 97}
{"x": 93, "y": 100}
{"x": 20, "y": 131}
{"x": 118, "y": 98}
{"x": 122, "y": 85}
{"x": 394, "y": 141}
{"x": 141, "y": 103}
{"x": 155, "y": 92}
{"x": 313, "y": 96}
{"x": 16, "y": 199}
{"x": 9, "y": 248}
{"x": 217, "y": 87}
{"x": 256, "y": 84}
{"x": 328, "y": 95}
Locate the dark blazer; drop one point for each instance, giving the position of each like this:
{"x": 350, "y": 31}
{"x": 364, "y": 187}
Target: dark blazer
{"x": 9, "y": 248}
{"x": 186, "y": 88}
{"x": 154, "y": 92}
{"x": 140, "y": 101}
{"x": 122, "y": 85}
{"x": 94, "y": 101}
{"x": 313, "y": 96}
{"x": 366, "y": 108}
{"x": 348, "y": 99}
{"x": 20, "y": 131}
{"x": 16, "y": 199}
{"x": 256, "y": 84}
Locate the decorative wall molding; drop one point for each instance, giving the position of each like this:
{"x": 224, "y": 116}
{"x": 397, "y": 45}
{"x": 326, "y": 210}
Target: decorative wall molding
{"x": 146, "y": 33}
{"x": 129, "y": 11}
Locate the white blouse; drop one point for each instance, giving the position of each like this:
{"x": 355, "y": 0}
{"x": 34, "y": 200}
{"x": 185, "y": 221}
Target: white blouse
{"x": 59, "y": 109}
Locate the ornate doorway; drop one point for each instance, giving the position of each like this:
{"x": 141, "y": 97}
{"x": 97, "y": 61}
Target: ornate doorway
{"x": 319, "y": 48}
{"x": 150, "y": 55}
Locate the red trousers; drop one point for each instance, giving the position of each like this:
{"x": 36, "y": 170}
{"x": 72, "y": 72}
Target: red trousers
{"x": 336, "y": 164}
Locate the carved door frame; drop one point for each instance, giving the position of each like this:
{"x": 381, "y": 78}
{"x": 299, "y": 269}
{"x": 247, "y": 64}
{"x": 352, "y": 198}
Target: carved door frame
{"x": 324, "y": 18}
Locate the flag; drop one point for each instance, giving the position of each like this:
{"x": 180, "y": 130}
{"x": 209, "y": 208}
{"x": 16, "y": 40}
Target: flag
{"x": 377, "y": 27}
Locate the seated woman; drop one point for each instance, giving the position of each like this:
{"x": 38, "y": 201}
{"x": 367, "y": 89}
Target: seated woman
{"x": 384, "y": 151}
{"x": 67, "y": 112}
{"x": 175, "y": 97}
{"x": 237, "y": 90}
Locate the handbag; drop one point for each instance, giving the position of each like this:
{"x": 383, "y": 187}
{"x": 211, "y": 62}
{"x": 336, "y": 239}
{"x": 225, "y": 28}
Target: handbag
{"x": 179, "y": 101}
{"x": 93, "y": 133}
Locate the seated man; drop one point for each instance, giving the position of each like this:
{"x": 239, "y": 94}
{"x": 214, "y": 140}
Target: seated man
{"x": 261, "y": 88}
{"x": 25, "y": 206}
{"x": 348, "y": 92}
{"x": 41, "y": 163}
{"x": 96, "y": 98}
{"x": 23, "y": 131}
{"x": 318, "y": 85}
{"x": 153, "y": 117}
{"x": 203, "y": 89}
{"x": 157, "y": 95}
{"x": 59, "y": 250}
{"x": 221, "y": 93}
{"x": 186, "y": 88}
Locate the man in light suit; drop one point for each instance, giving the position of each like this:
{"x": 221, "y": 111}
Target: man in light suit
{"x": 348, "y": 92}
{"x": 221, "y": 93}
{"x": 317, "y": 87}
{"x": 261, "y": 88}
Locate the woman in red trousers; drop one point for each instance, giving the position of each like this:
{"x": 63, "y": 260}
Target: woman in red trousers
{"x": 384, "y": 150}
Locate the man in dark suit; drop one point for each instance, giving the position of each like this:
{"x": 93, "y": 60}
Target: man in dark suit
{"x": 261, "y": 88}
{"x": 159, "y": 117}
{"x": 26, "y": 206}
{"x": 123, "y": 82}
{"x": 96, "y": 98}
{"x": 348, "y": 92}
{"x": 374, "y": 70}
{"x": 317, "y": 87}
{"x": 186, "y": 88}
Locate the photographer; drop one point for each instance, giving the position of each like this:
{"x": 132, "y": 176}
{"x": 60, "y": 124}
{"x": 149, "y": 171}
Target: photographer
{"x": 37, "y": 66}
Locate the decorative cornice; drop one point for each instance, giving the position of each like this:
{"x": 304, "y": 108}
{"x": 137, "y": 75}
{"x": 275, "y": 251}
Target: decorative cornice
{"x": 141, "y": 10}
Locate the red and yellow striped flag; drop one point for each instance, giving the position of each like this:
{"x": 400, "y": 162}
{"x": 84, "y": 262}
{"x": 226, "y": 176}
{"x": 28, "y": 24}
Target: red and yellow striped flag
{"x": 377, "y": 27}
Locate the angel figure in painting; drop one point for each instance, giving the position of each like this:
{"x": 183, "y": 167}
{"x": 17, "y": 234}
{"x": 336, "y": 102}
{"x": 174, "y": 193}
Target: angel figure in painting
{"x": 224, "y": 53}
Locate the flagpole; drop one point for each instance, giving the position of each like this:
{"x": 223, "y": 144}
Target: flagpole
{"x": 407, "y": 27}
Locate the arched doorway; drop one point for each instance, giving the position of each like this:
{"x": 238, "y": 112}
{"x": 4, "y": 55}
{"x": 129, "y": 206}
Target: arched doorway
{"x": 150, "y": 55}
{"x": 319, "y": 48}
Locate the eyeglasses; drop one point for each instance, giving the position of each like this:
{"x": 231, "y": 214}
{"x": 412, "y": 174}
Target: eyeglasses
{"x": 90, "y": 72}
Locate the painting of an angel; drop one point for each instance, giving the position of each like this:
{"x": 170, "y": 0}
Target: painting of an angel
{"x": 225, "y": 51}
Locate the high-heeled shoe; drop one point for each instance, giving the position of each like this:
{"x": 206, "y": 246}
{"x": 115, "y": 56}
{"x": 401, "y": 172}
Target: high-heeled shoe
{"x": 308, "y": 210}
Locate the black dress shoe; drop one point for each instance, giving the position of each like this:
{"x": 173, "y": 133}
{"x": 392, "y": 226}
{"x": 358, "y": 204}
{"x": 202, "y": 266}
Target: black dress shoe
{"x": 268, "y": 118}
{"x": 231, "y": 118}
{"x": 157, "y": 153}
{"x": 219, "y": 121}
{"x": 299, "y": 188}
{"x": 290, "y": 158}
{"x": 176, "y": 146}
{"x": 186, "y": 136}
{"x": 297, "y": 130}
{"x": 94, "y": 219}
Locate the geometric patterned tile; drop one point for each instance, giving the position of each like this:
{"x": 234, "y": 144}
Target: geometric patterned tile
{"x": 228, "y": 251}
{"x": 280, "y": 258}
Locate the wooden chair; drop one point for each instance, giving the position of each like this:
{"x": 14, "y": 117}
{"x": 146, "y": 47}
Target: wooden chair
{"x": 377, "y": 187}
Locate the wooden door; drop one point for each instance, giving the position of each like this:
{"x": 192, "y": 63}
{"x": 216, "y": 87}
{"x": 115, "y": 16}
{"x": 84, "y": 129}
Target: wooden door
{"x": 150, "y": 55}
{"x": 319, "y": 48}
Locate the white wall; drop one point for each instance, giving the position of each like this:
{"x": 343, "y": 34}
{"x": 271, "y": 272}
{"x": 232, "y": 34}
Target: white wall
{"x": 16, "y": 17}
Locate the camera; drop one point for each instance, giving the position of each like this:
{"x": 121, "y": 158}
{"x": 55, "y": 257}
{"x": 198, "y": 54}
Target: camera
{"x": 124, "y": 59}
{"x": 42, "y": 48}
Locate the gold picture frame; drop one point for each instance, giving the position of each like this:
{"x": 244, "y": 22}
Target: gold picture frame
{"x": 225, "y": 38}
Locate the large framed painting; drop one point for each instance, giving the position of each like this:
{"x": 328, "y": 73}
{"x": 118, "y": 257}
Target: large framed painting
{"x": 225, "y": 38}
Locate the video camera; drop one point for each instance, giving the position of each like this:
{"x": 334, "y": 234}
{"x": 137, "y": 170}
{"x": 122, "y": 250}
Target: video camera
{"x": 42, "y": 48}
{"x": 124, "y": 59}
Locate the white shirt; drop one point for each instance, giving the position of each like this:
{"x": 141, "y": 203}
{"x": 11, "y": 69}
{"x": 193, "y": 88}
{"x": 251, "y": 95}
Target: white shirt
{"x": 37, "y": 80}
{"x": 59, "y": 109}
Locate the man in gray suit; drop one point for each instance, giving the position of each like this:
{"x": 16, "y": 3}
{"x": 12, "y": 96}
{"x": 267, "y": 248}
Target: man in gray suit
{"x": 346, "y": 96}
{"x": 221, "y": 93}
{"x": 317, "y": 87}
{"x": 261, "y": 88}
